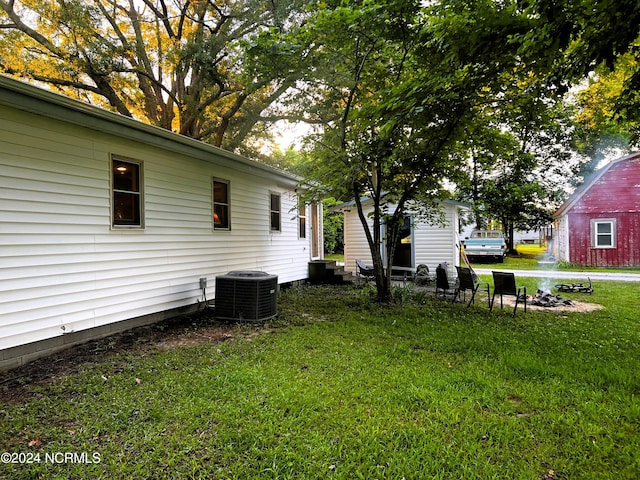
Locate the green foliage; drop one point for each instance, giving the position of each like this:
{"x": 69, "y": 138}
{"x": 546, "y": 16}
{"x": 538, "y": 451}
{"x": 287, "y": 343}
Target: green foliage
{"x": 333, "y": 226}
{"x": 571, "y": 40}
{"x": 204, "y": 69}
{"x": 406, "y": 81}
{"x": 603, "y": 128}
{"x": 518, "y": 156}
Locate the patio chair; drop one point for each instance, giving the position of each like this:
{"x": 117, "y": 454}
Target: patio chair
{"x": 505, "y": 284}
{"x": 442, "y": 282}
{"x": 366, "y": 272}
{"x": 468, "y": 281}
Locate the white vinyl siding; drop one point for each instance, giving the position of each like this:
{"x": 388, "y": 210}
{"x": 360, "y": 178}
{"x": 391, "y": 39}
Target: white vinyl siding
{"x": 435, "y": 244}
{"x": 355, "y": 241}
{"x": 63, "y": 268}
{"x": 431, "y": 244}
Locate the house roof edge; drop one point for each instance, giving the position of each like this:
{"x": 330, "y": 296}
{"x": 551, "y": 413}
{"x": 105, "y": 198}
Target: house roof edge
{"x": 27, "y": 97}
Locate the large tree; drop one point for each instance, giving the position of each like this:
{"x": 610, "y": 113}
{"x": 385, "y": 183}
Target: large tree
{"x": 573, "y": 40}
{"x": 184, "y": 65}
{"x": 404, "y": 82}
{"x": 518, "y": 156}
{"x": 603, "y": 127}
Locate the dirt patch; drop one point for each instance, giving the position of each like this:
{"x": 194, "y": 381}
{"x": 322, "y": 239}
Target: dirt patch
{"x": 188, "y": 330}
{"x": 578, "y": 306}
{"x": 210, "y": 334}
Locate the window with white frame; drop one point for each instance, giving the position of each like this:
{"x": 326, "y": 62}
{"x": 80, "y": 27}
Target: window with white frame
{"x": 274, "y": 212}
{"x": 302, "y": 219}
{"x": 221, "y": 216}
{"x": 126, "y": 193}
{"x": 603, "y": 233}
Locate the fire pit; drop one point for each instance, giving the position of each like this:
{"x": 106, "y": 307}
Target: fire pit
{"x": 544, "y": 298}
{"x": 575, "y": 287}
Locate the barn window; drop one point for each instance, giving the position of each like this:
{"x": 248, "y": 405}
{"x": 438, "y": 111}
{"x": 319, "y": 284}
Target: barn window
{"x": 221, "y": 205}
{"x": 274, "y": 212}
{"x": 603, "y": 233}
{"x": 126, "y": 193}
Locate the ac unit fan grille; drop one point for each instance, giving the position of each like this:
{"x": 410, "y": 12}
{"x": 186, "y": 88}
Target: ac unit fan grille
{"x": 246, "y": 296}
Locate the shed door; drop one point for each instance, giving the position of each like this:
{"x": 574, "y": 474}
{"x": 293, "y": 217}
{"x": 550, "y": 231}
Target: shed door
{"x": 404, "y": 254}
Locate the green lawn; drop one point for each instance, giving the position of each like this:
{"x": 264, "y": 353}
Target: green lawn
{"x": 342, "y": 388}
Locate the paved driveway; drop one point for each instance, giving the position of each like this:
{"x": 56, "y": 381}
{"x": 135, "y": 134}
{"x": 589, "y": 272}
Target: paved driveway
{"x": 560, "y": 274}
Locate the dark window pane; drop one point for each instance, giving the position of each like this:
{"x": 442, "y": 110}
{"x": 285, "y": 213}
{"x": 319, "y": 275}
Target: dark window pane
{"x": 125, "y": 176}
{"x": 303, "y": 227}
{"x": 302, "y": 220}
{"x": 220, "y": 192}
{"x": 220, "y": 216}
{"x": 275, "y": 212}
{"x": 126, "y": 193}
{"x": 275, "y": 221}
{"x": 605, "y": 241}
{"x": 275, "y": 202}
{"x": 220, "y": 205}
{"x": 126, "y": 208}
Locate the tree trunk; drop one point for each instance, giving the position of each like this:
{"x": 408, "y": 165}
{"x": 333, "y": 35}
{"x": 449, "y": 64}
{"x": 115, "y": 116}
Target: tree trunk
{"x": 510, "y": 228}
{"x": 373, "y": 235}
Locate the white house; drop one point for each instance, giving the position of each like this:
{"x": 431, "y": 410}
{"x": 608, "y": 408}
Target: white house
{"x": 421, "y": 242}
{"x": 107, "y": 223}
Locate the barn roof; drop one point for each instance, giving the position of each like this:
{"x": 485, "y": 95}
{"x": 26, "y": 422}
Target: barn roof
{"x": 26, "y": 97}
{"x": 589, "y": 182}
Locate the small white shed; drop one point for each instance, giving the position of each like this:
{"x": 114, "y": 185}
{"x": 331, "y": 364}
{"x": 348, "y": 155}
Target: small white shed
{"x": 108, "y": 223}
{"x": 421, "y": 242}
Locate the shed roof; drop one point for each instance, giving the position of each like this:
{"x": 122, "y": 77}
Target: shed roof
{"x": 589, "y": 182}
{"x": 23, "y": 96}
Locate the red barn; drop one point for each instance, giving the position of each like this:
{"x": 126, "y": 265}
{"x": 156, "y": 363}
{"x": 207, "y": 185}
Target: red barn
{"x": 599, "y": 225}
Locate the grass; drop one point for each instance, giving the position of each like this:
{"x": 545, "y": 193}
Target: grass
{"x": 338, "y": 257}
{"x": 340, "y": 387}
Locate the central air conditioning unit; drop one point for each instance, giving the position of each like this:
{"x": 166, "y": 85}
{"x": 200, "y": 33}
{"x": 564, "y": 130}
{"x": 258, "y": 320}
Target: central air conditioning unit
{"x": 246, "y": 295}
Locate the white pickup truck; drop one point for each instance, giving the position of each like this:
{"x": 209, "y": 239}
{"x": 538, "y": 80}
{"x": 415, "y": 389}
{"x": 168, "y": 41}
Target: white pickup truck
{"x": 486, "y": 244}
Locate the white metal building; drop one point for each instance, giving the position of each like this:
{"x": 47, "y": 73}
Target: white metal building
{"x": 423, "y": 243}
{"x": 107, "y": 222}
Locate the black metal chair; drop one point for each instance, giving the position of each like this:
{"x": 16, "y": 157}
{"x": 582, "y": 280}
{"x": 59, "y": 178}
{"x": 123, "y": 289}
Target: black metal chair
{"x": 504, "y": 283}
{"x": 442, "y": 282}
{"x": 468, "y": 281}
{"x": 364, "y": 271}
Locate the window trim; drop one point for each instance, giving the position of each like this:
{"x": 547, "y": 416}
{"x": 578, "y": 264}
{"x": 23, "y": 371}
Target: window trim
{"x": 595, "y": 236}
{"x": 140, "y": 193}
{"x": 272, "y": 212}
{"x": 227, "y": 204}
